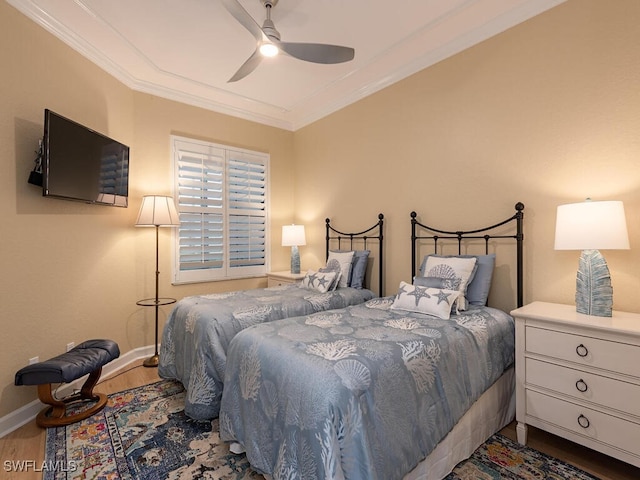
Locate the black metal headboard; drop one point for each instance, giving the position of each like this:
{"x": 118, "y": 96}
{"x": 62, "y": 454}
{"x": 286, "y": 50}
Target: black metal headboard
{"x": 480, "y": 233}
{"x": 362, "y": 238}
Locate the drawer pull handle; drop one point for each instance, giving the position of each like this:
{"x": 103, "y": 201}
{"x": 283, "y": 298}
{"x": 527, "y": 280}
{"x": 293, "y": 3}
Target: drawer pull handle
{"x": 581, "y": 386}
{"x": 582, "y": 351}
{"x": 583, "y": 421}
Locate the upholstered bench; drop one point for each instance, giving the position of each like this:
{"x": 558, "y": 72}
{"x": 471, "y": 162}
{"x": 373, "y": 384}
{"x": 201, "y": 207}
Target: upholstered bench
{"x": 87, "y": 358}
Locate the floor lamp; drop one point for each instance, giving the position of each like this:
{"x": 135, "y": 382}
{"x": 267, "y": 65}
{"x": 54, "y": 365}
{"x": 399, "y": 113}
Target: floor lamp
{"x": 157, "y": 211}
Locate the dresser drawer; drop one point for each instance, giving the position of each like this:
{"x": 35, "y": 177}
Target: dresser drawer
{"x": 596, "y": 426}
{"x": 605, "y": 354}
{"x": 604, "y": 391}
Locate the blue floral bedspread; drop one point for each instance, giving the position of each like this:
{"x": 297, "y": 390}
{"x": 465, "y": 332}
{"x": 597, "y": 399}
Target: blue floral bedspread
{"x": 199, "y": 329}
{"x": 365, "y": 392}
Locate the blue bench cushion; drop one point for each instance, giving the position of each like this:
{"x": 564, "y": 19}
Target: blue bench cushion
{"x": 77, "y": 362}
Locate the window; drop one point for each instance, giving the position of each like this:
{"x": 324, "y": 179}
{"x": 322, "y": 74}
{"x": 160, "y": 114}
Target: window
{"x": 222, "y": 199}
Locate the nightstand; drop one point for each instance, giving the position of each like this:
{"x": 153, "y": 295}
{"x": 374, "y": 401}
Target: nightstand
{"x": 276, "y": 279}
{"x": 578, "y": 376}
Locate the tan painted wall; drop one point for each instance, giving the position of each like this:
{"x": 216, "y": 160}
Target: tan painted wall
{"x": 70, "y": 271}
{"x": 546, "y": 113}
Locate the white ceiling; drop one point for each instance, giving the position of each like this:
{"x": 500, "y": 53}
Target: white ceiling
{"x": 186, "y": 50}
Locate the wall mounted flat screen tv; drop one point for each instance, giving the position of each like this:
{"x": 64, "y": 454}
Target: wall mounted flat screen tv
{"x": 83, "y": 165}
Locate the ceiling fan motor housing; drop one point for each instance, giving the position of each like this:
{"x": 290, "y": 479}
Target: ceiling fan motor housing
{"x": 268, "y": 27}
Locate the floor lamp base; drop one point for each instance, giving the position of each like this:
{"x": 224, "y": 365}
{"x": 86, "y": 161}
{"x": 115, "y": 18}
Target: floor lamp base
{"x": 151, "y": 361}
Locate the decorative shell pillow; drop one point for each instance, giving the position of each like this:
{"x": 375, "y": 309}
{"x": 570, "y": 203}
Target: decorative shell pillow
{"x": 431, "y": 301}
{"x": 480, "y": 283}
{"x": 358, "y": 267}
{"x": 320, "y": 281}
{"x": 344, "y": 259}
{"x": 453, "y": 269}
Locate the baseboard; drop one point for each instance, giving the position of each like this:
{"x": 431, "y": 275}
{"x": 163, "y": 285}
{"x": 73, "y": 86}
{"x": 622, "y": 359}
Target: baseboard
{"x": 27, "y": 413}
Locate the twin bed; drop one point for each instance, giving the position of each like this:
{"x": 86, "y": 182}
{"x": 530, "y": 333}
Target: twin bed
{"x": 404, "y": 386}
{"x": 200, "y": 328}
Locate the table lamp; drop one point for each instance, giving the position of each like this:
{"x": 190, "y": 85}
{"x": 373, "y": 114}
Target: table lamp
{"x": 592, "y": 226}
{"x": 293, "y": 236}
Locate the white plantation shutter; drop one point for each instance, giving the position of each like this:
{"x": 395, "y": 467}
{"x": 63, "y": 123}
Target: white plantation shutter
{"x": 246, "y": 183}
{"x": 200, "y": 205}
{"x": 221, "y": 195}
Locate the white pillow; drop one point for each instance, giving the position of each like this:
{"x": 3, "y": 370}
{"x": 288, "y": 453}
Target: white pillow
{"x": 344, "y": 259}
{"x": 452, "y": 268}
{"x": 318, "y": 280}
{"x": 432, "y": 301}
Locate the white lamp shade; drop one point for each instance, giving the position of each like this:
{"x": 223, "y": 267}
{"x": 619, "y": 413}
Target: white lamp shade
{"x": 293, "y": 236}
{"x": 158, "y": 211}
{"x": 591, "y": 226}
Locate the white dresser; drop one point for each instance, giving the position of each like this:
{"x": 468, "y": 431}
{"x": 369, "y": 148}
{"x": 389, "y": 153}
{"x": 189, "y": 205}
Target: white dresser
{"x": 578, "y": 377}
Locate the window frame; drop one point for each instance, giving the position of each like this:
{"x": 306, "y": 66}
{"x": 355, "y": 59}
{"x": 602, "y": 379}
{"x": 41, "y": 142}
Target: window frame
{"x": 229, "y": 155}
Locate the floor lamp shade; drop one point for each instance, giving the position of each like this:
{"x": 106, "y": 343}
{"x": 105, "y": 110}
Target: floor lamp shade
{"x": 157, "y": 211}
{"x": 592, "y": 226}
{"x": 293, "y": 236}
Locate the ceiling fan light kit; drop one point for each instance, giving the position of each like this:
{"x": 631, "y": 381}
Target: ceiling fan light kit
{"x": 269, "y": 50}
{"x": 268, "y": 42}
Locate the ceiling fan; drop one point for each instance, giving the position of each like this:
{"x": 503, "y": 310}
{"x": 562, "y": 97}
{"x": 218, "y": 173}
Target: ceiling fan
{"x": 268, "y": 42}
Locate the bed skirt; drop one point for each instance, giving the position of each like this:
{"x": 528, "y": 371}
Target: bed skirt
{"x": 494, "y": 410}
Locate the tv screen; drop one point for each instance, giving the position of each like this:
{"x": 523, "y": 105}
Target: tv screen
{"x": 81, "y": 164}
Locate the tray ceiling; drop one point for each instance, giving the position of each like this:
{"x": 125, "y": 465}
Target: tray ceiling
{"x": 186, "y": 50}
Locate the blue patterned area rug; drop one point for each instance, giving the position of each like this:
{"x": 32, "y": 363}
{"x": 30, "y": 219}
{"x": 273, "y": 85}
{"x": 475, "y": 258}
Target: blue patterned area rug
{"x": 143, "y": 434}
{"x": 501, "y": 458}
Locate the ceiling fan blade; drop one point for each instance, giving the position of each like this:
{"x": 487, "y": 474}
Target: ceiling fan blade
{"x": 247, "y": 67}
{"x": 317, "y": 52}
{"x": 246, "y": 20}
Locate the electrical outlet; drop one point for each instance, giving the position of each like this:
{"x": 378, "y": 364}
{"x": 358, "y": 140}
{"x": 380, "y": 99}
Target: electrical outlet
{"x": 70, "y": 345}
{"x": 34, "y": 360}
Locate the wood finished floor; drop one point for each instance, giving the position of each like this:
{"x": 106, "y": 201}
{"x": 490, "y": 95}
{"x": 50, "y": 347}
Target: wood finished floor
{"x": 27, "y": 442}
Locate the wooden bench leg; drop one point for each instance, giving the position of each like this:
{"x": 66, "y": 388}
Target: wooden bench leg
{"x": 55, "y": 415}
{"x": 87, "y": 389}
